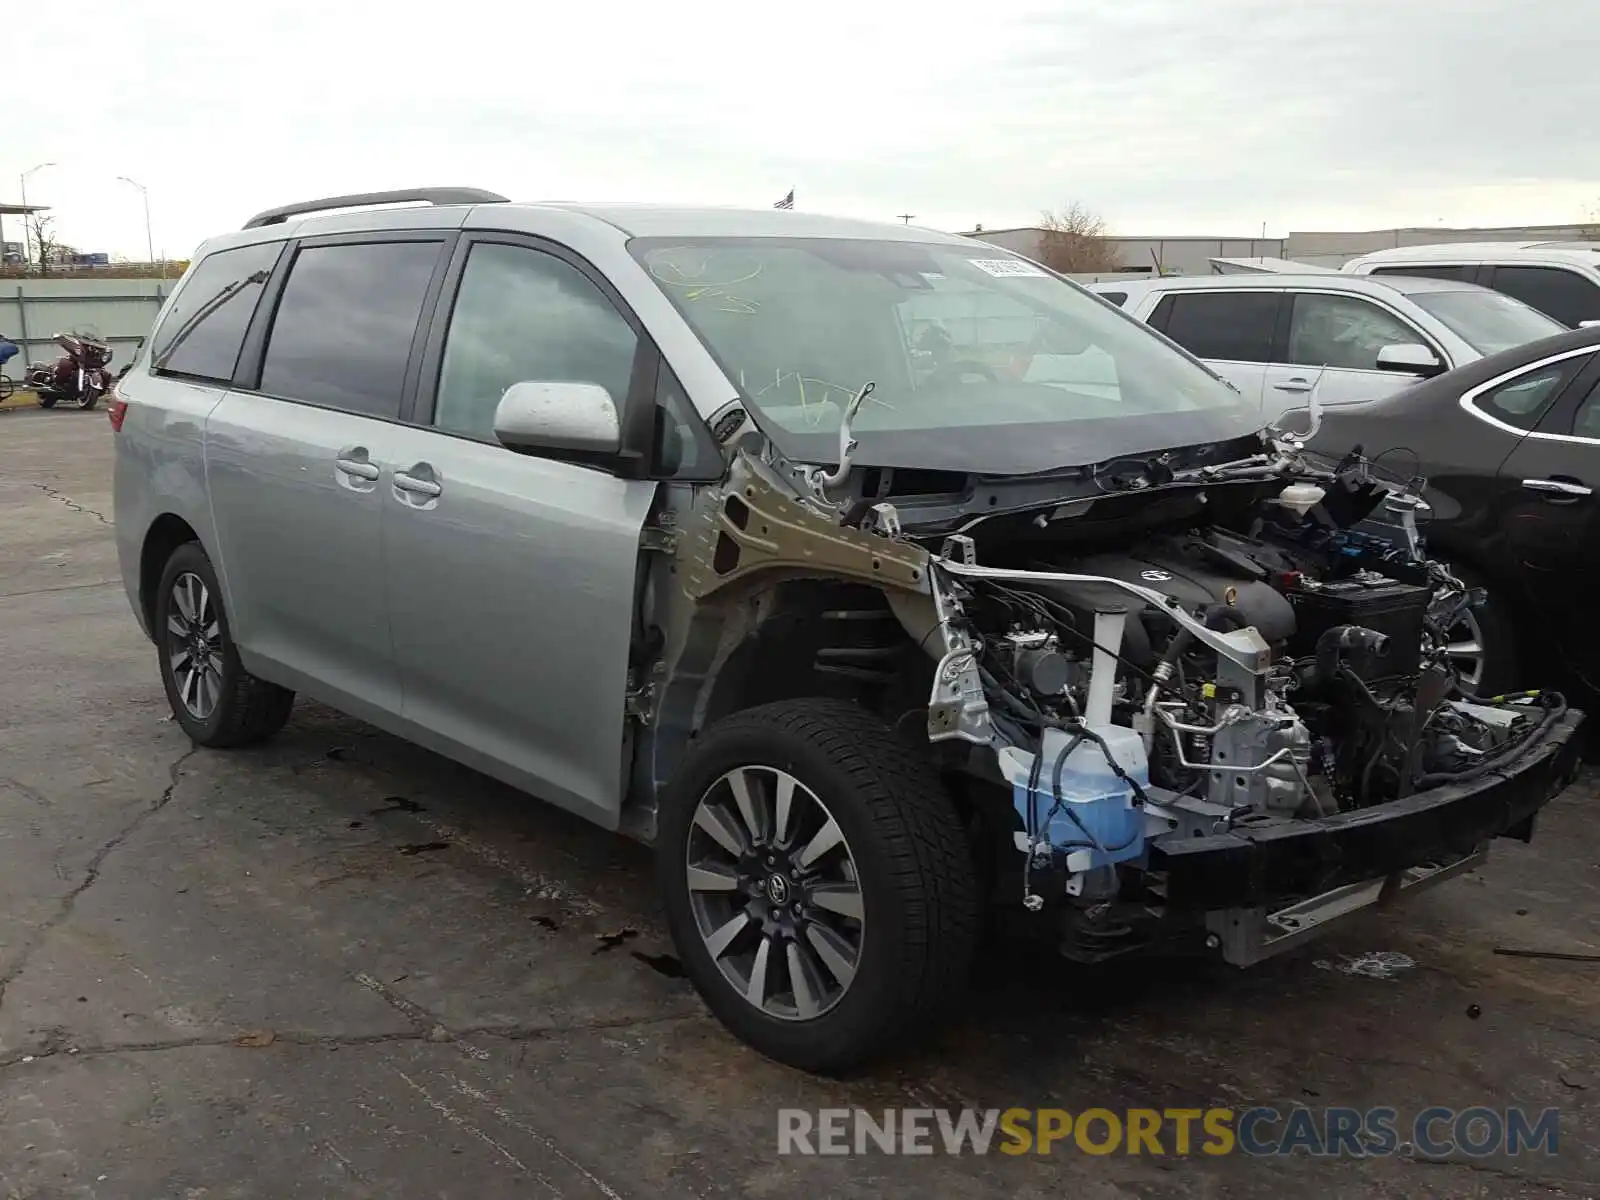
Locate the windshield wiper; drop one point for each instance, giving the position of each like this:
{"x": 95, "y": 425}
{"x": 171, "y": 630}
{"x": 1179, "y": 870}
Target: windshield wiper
{"x": 204, "y": 311}
{"x": 848, "y": 445}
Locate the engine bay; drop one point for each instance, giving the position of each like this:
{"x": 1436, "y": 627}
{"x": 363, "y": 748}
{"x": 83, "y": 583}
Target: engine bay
{"x": 1205, "y": 690}
{"x": 1273, "y": 665}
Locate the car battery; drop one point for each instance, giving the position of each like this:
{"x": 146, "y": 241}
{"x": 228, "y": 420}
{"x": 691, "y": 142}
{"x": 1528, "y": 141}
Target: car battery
{"x": 1394, "y": 609}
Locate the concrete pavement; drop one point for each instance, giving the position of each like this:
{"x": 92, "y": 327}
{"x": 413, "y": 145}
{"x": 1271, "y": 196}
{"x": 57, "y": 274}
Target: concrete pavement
{"x": 340, "y": 966}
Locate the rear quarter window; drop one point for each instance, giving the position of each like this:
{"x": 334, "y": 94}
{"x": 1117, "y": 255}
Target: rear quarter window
{"x": 202, "y": 332}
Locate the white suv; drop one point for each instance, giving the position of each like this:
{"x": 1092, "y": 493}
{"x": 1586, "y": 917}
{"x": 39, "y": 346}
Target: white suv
{"x": 1275, "y": 337}
{"x": 1561, "y": 279}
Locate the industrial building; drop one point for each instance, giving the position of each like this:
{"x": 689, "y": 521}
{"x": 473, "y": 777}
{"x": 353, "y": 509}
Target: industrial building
{"x": 1198, "y": 255}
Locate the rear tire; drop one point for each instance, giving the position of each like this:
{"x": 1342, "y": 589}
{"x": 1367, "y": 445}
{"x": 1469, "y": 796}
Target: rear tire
{"x": 218, "y": 702}
{"x": 47, "y": 401}
{"x": 870, "y": 940}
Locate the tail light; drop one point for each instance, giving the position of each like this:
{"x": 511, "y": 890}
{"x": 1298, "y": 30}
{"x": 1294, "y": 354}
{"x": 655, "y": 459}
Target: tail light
{"x": 116, "y": 410}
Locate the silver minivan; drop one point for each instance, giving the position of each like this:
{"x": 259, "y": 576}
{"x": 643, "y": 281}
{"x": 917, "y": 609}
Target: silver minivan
{"x": 1275, "y": 336}
{"x": 882, "y": 579}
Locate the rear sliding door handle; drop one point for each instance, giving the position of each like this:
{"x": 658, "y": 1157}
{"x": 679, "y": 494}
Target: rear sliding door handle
{"x": 1556, "y": 487}
{"x": 1293, "y": 385}
{"x": 417, "y": 487}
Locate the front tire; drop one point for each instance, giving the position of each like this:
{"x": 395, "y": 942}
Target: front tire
{"x": 818, "y": 884}
{"x": 218, "y": 702}
{"x": 89, "y": 399}
{"x": 1483, "y": 645}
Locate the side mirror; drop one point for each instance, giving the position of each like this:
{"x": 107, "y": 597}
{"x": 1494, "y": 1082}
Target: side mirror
{"x": 558, "y": 416}
{"x": 1410, "y": 359}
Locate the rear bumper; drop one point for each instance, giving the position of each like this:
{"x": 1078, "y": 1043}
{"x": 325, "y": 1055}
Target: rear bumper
{"x": 1248, "y": 867}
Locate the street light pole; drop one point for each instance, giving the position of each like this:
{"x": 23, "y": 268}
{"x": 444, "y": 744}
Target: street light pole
{"x": 27, "y": 230}
{"x": 149, "y": 242}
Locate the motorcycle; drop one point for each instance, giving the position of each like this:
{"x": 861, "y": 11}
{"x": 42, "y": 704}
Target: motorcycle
{"x": 79, "y": 376}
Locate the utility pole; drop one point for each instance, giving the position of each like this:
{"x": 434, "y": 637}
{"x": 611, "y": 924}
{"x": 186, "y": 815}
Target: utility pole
{"x": 907, "y": 218}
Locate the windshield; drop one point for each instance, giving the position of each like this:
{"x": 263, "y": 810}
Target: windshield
{"x": 981, "y": 361}
{"x": 1488, "y": 321}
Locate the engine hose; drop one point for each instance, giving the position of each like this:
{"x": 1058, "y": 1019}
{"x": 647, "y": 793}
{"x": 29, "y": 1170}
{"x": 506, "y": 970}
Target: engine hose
{"x": 1222, "y": 618}
{"x": 1555, "y": 709}
{"x": 1340, "y": 640}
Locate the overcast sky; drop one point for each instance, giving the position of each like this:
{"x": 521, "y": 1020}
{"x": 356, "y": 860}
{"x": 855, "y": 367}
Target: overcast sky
{"x": 1166, "y": 116}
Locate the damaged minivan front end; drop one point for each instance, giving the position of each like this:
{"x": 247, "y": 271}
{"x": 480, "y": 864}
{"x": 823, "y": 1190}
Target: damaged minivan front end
{"x": 1198, "y": 705}
{"x": 1005, "y": 606}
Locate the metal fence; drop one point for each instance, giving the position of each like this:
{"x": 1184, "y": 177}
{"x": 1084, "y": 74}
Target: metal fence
{"x": 33, "y": 311}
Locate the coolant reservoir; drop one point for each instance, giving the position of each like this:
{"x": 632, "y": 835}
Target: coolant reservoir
{"x": 1092, "y": 818}
{"x": 1301, "y": 497}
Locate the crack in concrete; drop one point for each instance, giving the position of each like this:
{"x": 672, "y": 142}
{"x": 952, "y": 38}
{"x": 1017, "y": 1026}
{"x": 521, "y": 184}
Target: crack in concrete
{"x": 63, "y": 498}
{"x": 531, "y": 1033}
{"x": 26, "y": 792}
{"x": 91, "y": 876}
{"x": 433, "y": 1029}
{"x": 60, "y": 1045}
{"x": 60, "y": 587}
{"x": 1550, "y": 1183}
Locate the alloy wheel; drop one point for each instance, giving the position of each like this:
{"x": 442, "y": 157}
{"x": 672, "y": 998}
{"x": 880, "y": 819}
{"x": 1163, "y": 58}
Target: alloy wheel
{"x": 1465, "y": 648}
{"x": 194, "y": 645}
{"x": 775, "y": 892}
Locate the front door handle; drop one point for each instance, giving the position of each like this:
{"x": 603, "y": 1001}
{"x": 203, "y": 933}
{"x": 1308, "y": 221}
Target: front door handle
{"x": 1557, "y": 487}
{"x": 1294, "y": 385}
{"x": 356, "y": 468}
{"x": 404, "y": 481}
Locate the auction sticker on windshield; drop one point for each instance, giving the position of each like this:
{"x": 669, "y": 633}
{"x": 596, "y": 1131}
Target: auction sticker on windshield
{"x": 1005, "y": 266}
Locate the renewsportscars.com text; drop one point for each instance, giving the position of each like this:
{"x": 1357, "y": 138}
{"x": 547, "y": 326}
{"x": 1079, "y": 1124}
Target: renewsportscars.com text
{"x": 1332, "y": 1132}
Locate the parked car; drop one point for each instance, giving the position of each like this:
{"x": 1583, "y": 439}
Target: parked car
{"x": 1275, "y": 337}
{"x": 1510, "y": 447}
{"x": 877, "y": 577}
{"x": 1560, "y": 279}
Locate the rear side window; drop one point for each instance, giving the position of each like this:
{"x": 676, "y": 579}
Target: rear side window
{"x": 1523, "y": 399}
{"x": 1460, "y": 273}
{"x": 1586, "y": 421}
{"x": 1235, "y": 326}
{"x": 1565, "y": 295}
{"x": 345, "y": 323}
{"x": 203, "y": 331}
{"x": 1117, "y": 298}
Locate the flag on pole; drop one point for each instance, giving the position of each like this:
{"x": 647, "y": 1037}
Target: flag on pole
{"x": 787, "y": 201}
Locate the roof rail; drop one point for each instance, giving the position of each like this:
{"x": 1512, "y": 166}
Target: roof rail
{"x": 276, "y": 216}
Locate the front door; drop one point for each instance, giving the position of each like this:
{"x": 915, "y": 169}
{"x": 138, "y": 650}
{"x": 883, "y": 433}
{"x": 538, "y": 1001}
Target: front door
{"x": 1548, "y": 513}
{"x": 1331, "y": 343}
{"x": 511, "y": 577}
{"x": 297, "y": 467}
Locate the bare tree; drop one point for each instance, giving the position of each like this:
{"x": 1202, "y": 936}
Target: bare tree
{"x": 1074, "y": 241}
{"x": 46, "y": 249}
